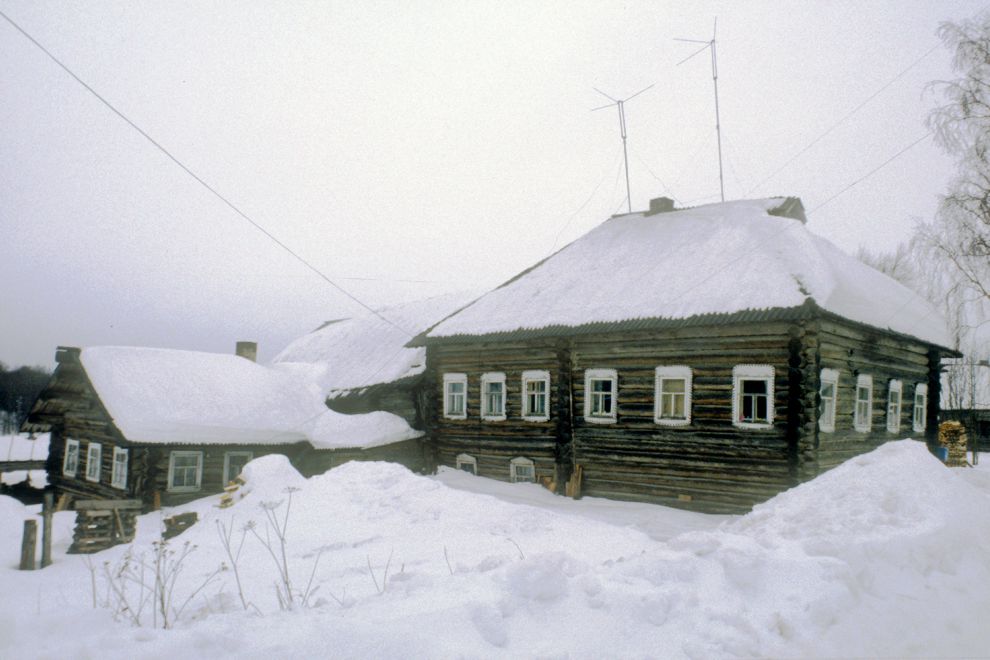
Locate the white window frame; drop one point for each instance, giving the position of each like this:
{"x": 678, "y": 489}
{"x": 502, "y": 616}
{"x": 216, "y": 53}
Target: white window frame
{"x": 863, "y": 423}
{"x": 536, "y": 376}
{"x": 497, "y": 377}
{"x": 467, "y": 459}
{"x": 826, "y": 414}
{"x": 894, "y": 387}
{"x": 744, "y": 372}
{"x": 677, "y": 372}
{"x": 918, "y": 423}
{"x": 227, "y": 477}
{"x": 171, "y": 471}
{"x": 94, "y": 456}
{"x": 447, "y": 380}
{"x": 118, "y": 470}
{"x": 601, "y": 374}
{"x": 70, "y": 467}
{"x": 521, "y": 462}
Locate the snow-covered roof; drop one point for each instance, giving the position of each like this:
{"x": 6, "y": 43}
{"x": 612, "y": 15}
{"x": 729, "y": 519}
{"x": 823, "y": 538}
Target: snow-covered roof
{"x": 714, "y": 259}
{"x": 368, "y": 350}
{"x": 159, "y": 395}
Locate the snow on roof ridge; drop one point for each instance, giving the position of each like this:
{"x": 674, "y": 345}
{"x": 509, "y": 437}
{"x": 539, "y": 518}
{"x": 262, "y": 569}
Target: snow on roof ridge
{"x": 742, "y": 255}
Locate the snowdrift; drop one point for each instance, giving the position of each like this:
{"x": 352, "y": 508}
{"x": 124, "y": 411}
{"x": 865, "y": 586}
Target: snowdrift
{"x": 883, "y": 556}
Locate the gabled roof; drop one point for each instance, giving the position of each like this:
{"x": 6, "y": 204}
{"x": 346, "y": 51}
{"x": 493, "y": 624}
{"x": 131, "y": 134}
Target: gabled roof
{"x": 749, "y": 258}
{"x": 367, "y": 350}
{"x": 169, "y": 396}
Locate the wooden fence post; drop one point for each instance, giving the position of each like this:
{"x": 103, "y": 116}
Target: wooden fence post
{"x": 47, "y": 510}
{"x": 29, "y": 545}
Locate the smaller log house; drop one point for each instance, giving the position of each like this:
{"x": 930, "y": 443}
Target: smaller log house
{"x": 706, "y": 358}
{"x": 168, "y": 426}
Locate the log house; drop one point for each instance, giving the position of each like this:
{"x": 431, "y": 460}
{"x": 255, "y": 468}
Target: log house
{"x": 665, "y": 384}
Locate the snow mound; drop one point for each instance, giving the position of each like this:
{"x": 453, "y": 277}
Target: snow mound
{"x": 866, "y": 499}
{"x": 12, "y": 517}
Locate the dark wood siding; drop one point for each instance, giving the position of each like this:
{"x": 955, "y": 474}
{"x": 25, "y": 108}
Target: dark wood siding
{"x": 494, "y": 443}
{"x": 710, "y": 464}
{"x": 854, "y": 350}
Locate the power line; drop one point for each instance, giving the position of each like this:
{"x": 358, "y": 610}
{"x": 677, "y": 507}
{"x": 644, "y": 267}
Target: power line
{"x": 198, "y": 179}
{"x": 871, "y": 172}
{"x": 844, "y": 118}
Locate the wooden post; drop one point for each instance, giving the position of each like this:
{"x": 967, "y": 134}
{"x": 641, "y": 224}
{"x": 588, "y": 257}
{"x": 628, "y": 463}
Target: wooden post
{"x": 46, "y": 528}
{"x": 29, "y": 545}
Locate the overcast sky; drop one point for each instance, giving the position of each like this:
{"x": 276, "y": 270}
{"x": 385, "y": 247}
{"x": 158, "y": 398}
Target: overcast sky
{"x": 406, "y": 149}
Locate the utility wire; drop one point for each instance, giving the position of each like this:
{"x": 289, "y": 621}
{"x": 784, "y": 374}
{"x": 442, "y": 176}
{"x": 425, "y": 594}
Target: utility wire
{"x": 195, "y": 176}
{"x": 844, "y": 118}
{"x": 872, "y": 172}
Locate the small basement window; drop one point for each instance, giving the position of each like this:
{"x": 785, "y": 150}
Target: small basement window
{"x": 600, "y": 387}
{"x": 672, "y": 396}
{"x": 536, "y": 396}
{"x": 522, "y": 469}
{"x": 493, "y": 396}
{"x": 233, "y": 463}
{"x": 829, "y": 399}
{"x": 467, "y": 463}
{"x": 70, "y": 462}
{"x": 752, "y": 396}
{"x": 118, "y": 476}
{"x": 919, "y": 418}
{"x": 894, "y": 406}
{"x": 863, "y": 414}
{"x": 185, "y": 471}
{"x": 455, "y": 396}
{"x": 94, "y": 453}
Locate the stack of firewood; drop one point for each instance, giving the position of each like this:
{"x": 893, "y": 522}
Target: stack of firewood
{"x": 952, "y": 436}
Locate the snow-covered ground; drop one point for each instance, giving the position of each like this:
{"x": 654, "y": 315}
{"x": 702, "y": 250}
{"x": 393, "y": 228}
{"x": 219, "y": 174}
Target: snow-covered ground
{"x": 887, "y": 555}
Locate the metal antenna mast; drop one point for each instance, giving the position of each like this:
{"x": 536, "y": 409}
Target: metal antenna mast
{"x": 621, "y": 104}
{"x": 718, "y": 124}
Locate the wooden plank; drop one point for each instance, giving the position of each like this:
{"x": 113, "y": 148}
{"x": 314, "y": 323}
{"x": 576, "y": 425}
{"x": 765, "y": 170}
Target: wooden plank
{"x": 83, "y": 505}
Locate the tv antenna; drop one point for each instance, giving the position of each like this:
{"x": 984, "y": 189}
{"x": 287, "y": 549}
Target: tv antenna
{"x": 621, "y": 104}
{"x": 718, "y": 126}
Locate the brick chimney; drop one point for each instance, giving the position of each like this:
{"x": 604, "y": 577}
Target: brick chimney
{"x": 247, "y": 350}
{"x": 660, "y": 205}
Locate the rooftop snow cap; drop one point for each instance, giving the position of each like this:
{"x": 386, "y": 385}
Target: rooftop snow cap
{"x": 247, "y": 350}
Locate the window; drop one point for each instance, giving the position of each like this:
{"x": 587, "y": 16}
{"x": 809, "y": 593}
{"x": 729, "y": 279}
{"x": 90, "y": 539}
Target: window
{"x": 920, "y": 417}
{"x": 233, "y": 463}
{"x": 829, "y": 398}
{"x": 185, "y": 471}
{"x": 467, "y": 463}
{"x": 522, "y": 469}
{"x": 536, "y": 396}
{"x": 493, "y": 396}
{"x": 600, "y": 395}
{"x": 70, "y": 462}
{"x": 455, "y": 396}
{"x": 752, "y": 396}
{"x": 93, "y": 455}
{"x": 894, "y": 406}
{"x": 118, "y": 475}
{"x": 672, "y": 403}
{"x": 863, "y": 415}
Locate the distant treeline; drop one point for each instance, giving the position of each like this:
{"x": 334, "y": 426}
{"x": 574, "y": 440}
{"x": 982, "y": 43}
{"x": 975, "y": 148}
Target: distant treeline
{"x": 18, "y": 390}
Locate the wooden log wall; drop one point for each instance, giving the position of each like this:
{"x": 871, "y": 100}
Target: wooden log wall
{"x": 397, "y": 398}
{"x": 494, "y": 443}
{"x": 854, "y": 350}
{"x": 709, "y": 465}
{"x": 213, "y": 459}
{"x": 410, "y": 453}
